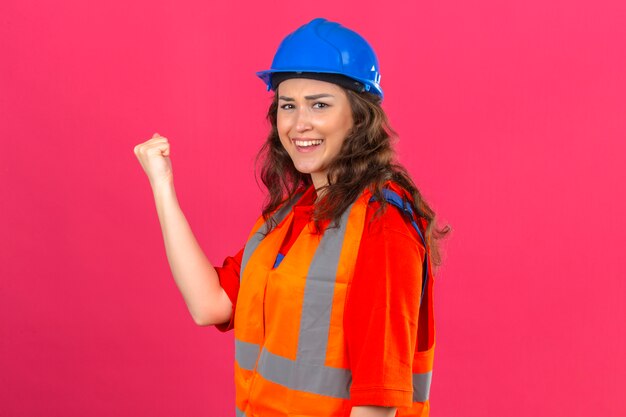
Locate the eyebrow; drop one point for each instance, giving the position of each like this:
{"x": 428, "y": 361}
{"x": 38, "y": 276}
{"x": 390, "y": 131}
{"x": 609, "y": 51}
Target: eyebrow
{"x": 313, "y": 97}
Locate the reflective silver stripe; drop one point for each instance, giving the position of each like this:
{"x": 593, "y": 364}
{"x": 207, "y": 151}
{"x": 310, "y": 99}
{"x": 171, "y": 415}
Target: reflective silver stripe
{"x": 309, "y": 377}
{"x": 246, "y": 354}
{"x": 421, "y": 386}
{"x": 318, "y": 295}
{"x": 254, "y": 241}
{"x": 302, "y": 376}
{"x": 239, "y": 413}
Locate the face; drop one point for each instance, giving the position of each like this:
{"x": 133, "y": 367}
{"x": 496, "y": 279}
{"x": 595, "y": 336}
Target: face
{"x": 313, "y": 119}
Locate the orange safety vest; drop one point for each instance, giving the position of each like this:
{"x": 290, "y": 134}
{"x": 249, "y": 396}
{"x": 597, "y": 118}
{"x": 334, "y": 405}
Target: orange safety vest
{"x": 290, "y": 354}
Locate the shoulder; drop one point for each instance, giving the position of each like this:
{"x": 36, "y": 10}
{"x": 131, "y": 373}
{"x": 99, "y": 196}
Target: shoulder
{"x": 387, "y": 220}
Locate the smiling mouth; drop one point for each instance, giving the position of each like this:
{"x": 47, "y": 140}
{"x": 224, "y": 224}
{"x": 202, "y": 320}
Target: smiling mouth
{"x": 307, "y": 143}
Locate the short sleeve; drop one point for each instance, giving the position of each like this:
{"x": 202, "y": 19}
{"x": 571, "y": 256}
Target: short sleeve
{"x": 228, "y": 275}
{"x": 382, "y": 308}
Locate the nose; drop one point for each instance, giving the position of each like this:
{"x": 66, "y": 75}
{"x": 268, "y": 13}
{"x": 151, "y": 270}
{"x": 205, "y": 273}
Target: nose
{"x": 303, "y": 120}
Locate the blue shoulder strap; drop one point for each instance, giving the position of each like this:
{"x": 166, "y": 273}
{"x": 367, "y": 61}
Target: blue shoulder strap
{"x": 405, "y": 207}
{"x": 279, "y": 259}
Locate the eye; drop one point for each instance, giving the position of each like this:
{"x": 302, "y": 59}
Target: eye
{"x": 320, "y": 105}
{"x": 287, "y": 106}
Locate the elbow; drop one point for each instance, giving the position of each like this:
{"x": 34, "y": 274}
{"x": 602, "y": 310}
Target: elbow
{"x": 202, "y": 320}
{"x": 207, "y": 319}
{"x": 216, "y": 311}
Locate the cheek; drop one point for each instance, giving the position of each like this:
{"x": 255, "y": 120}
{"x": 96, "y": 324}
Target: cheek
{"x": 343, "y": 122}
{"x": 282, "y": 128}
{"x": 345, "y": 127}
{"x": 348, "y": 121}
{"x": 280, "y": 124}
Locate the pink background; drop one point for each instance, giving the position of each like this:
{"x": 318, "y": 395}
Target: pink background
{"x": 511, "y": 116}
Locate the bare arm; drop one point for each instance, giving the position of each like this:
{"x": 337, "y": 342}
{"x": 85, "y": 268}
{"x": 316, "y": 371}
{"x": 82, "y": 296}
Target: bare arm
{"x": 195, "y": 277}
{"x": 372, "y": 411}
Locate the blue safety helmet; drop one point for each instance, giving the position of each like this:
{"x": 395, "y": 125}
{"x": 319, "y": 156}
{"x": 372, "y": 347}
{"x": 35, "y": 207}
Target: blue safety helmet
{"x": 328, "y": 51}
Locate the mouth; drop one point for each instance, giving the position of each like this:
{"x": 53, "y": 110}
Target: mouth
{"x": 306, "y": 145}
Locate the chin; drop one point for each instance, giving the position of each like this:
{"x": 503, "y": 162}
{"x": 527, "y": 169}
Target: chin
{"x": 306, "y": 169}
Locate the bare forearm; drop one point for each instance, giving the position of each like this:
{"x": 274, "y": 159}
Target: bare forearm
{"x": 372, "y": 411}
{"x": 194, "y": 275}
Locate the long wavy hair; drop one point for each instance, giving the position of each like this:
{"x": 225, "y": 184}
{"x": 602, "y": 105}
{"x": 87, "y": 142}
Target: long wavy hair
{"x": 366, "y": 159}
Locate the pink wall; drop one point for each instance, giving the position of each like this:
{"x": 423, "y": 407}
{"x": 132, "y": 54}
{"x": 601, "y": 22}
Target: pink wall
{"x": 512, "y": 120}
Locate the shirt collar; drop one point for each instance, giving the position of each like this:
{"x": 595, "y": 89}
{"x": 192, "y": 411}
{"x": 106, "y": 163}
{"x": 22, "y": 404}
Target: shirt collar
{"x": 308, "y": 198}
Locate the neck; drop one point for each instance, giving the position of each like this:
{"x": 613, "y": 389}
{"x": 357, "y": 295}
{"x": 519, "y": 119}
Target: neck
{"x": 319, "y": 179}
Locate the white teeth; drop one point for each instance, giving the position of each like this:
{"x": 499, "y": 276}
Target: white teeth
{"x": 305, "y": 143}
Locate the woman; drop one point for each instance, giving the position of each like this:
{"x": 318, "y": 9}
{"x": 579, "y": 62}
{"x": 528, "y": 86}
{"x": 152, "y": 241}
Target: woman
{"x": 331, "y": 299}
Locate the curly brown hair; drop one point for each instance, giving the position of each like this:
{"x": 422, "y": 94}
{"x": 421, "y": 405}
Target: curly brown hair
{"x": 366, "y": 159}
